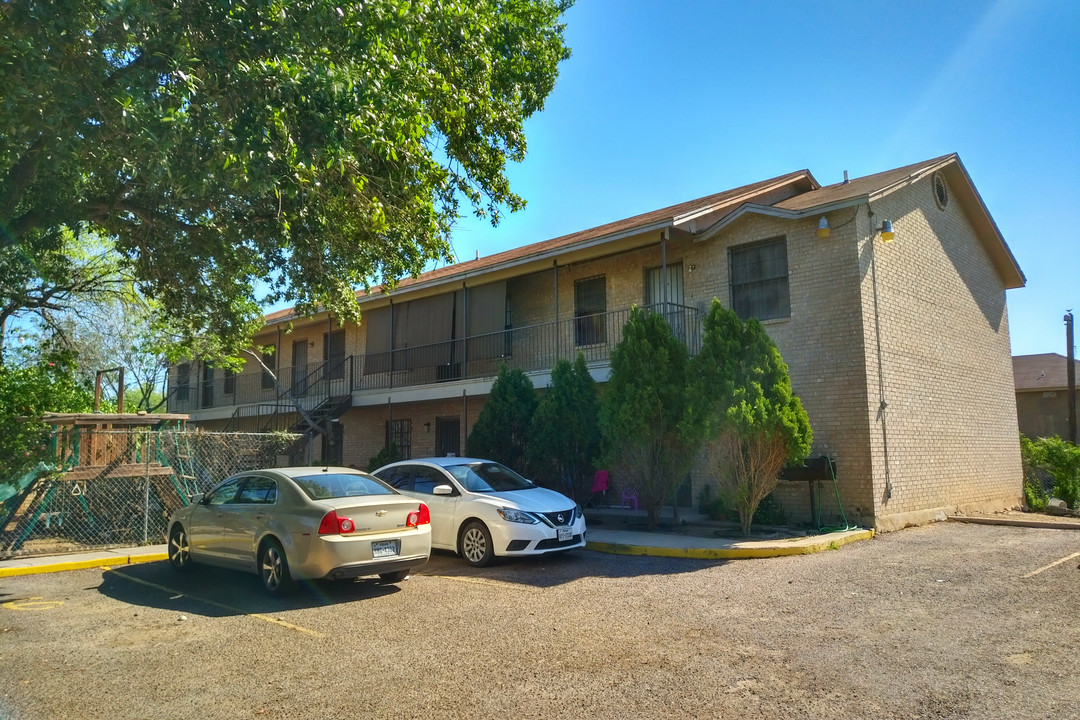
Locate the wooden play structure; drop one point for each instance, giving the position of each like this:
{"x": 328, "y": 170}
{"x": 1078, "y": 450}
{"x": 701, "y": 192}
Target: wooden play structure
{"x": 109, "y": 479}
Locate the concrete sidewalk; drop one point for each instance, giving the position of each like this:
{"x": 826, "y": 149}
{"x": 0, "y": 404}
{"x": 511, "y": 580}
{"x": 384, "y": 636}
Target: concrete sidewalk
{"x": 621, "y": 542}
{"x": 82, "y": 560}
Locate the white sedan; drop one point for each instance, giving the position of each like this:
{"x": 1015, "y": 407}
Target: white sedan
{"x": 481, "y": 509}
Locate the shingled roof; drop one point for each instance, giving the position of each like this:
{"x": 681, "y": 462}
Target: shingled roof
{"x": 807, "y": 198}
{"x": 1046, "y": 371}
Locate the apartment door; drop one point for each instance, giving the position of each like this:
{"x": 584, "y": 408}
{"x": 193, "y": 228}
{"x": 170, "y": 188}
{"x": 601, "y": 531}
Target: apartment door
{"x": 447, "y": 436}
{"x": 207, "y": 386}
{"x": 299, "y": 367}
{"x": 334, "y": 357}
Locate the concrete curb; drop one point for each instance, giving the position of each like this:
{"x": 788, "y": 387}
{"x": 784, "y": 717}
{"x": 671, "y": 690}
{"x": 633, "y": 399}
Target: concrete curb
{"x": 53, "y": 566}
{"x": 743, "y": 550}
{"x": 1009, "y": 522}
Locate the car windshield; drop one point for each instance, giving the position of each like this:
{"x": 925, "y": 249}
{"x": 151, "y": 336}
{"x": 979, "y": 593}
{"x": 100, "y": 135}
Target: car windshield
{"x": 488, "y": 477}
{"x": 334, "y": 485}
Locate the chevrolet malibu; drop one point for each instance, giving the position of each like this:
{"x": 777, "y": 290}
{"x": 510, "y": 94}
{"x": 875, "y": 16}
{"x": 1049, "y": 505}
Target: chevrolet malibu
{"x": 303, "y": 523}
{"x": 481, "y": 509}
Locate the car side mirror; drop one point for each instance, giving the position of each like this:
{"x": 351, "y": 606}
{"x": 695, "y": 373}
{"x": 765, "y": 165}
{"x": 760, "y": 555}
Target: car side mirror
{"x": 199, "y": 499}
{"x": 442, "y": 490}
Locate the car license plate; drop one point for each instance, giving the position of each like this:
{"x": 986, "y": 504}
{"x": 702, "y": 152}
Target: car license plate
{"x": 384, "y": 548}
{"x": 565, "y": 533}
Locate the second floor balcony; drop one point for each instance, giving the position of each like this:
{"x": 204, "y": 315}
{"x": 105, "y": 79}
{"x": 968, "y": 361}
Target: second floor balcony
{"x": 533, "y": 349}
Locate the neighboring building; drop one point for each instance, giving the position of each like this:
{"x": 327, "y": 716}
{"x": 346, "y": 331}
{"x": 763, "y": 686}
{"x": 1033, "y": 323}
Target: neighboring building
{"x": 1042, "y": 394}
{"x": 899, "y": 350}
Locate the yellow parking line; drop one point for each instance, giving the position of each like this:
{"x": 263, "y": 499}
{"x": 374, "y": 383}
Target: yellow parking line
{"x": 215, "y": 603}
{"x": 1056, "y": 562}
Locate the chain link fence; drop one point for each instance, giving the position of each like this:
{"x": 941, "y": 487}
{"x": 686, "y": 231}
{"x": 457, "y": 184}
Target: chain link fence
{"x": 117, "y": 488}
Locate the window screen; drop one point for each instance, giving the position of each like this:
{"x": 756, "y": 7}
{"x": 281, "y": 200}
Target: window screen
{"x": 759, "y": 280}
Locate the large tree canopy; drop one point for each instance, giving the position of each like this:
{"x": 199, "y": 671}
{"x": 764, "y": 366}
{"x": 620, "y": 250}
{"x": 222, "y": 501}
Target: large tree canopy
{"x": 252, "y": 151}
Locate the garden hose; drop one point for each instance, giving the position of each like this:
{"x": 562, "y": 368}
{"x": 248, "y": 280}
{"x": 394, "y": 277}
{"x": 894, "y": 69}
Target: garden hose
{"x": 836, "y": 488}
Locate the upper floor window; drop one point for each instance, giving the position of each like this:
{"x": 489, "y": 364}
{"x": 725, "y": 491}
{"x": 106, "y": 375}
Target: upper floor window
{"x": 590, "y": 305}
{"x": 759, "y": 279}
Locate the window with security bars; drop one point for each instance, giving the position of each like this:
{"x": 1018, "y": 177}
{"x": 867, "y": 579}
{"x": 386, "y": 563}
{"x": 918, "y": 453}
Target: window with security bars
{"x": 759, "y": 280}
{"x": 590, "y": 306}
{"x": 399, "y": 434}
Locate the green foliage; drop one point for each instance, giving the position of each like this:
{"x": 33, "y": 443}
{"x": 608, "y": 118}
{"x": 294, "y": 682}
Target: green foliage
{"x": 564, "y": 437}
{"x": 742, "y": 404}
{"x": 317, "y": 146}
{"x": 40, "y": 382}
{"x": 1034, "y": 496}
{"x": 385, "y": 456}
{"x": 49, "y": 283}
{"x": 501, "y": 433}
{"x": 1060, "y": 460}
{"x": 719, "y": 507}
{"x": 641, "y": 408}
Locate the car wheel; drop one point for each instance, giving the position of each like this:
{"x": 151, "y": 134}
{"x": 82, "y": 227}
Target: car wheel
{"x": 394, "y": 577}
{"x": 179, "y": 549}
{"x": 475, "y": 545}
{"x": 274, "y": 569}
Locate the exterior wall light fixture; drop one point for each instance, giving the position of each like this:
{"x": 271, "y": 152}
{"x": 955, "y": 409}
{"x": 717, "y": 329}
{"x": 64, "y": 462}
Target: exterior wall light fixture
{"x": 823, "y": 227}
{"x": 887, "y": 233}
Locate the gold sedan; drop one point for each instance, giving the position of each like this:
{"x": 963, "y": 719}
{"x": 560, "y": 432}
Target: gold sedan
{"x": 303, "y": 523}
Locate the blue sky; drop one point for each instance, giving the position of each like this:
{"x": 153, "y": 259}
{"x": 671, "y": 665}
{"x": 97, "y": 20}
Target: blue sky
{"x": 668, "y": 101}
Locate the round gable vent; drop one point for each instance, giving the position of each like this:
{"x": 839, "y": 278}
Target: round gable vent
{"x": 941, "y": 191}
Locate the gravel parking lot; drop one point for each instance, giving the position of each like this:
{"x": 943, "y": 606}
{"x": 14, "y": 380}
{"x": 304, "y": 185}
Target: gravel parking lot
{"x": 946, "y": 621}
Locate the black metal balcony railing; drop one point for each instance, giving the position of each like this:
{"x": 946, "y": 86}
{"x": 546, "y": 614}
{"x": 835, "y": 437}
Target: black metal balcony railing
{"x": 534, "y": 348}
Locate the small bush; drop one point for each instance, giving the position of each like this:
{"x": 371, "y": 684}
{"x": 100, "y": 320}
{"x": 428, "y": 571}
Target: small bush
{"x": 719, "y": 507}
{"x": 1054, "y": 458}
{"x": 1034, "y": 496}
{"x": 384, "y": 457}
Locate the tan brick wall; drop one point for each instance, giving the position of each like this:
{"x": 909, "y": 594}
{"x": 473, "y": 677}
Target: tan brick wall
{"x": 820, "y": 342}
{"x": 951, "y": 417}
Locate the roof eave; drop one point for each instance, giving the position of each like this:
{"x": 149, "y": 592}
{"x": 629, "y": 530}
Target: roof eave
{"x": 772, "y": 211}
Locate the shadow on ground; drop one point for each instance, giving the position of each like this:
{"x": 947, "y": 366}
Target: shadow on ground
{"x": 213, "y": 592}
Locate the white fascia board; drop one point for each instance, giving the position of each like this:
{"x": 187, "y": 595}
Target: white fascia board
{"x": 752, "y": 208}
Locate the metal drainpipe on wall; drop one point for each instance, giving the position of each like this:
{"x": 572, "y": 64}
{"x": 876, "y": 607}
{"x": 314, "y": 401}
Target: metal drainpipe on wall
{"x": 880, "y": 363}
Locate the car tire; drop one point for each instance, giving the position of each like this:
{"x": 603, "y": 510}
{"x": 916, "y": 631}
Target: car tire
{"x": 274, "y": 569}
{"x": 394, "y": 577}
{"x": 179, "y": 549}
{"x": 475, "y": 544}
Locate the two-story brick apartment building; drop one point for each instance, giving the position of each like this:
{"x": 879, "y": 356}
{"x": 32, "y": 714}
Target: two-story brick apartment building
{"x": 899, "y": 349}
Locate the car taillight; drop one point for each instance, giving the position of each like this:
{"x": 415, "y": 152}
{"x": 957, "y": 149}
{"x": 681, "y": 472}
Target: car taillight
{"x": 422, "y": 516}
{"x": 332, "y": 524}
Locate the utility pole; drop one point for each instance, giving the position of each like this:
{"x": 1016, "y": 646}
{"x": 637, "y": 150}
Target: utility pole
{"x": 1070, "y": 373}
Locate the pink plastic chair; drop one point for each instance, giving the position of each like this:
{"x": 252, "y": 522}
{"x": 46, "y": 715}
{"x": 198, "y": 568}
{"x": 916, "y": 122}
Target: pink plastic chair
{"x": 629, "y": 498}
{"x": 600, "y": 481}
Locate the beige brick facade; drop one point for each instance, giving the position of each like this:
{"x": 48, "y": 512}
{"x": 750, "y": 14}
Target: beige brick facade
{"x": 920, "y": 323}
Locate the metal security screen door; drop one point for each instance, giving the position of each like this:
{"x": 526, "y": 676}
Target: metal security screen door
{"x": 590, "y": 306}
{"x": 447, "y": 436}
